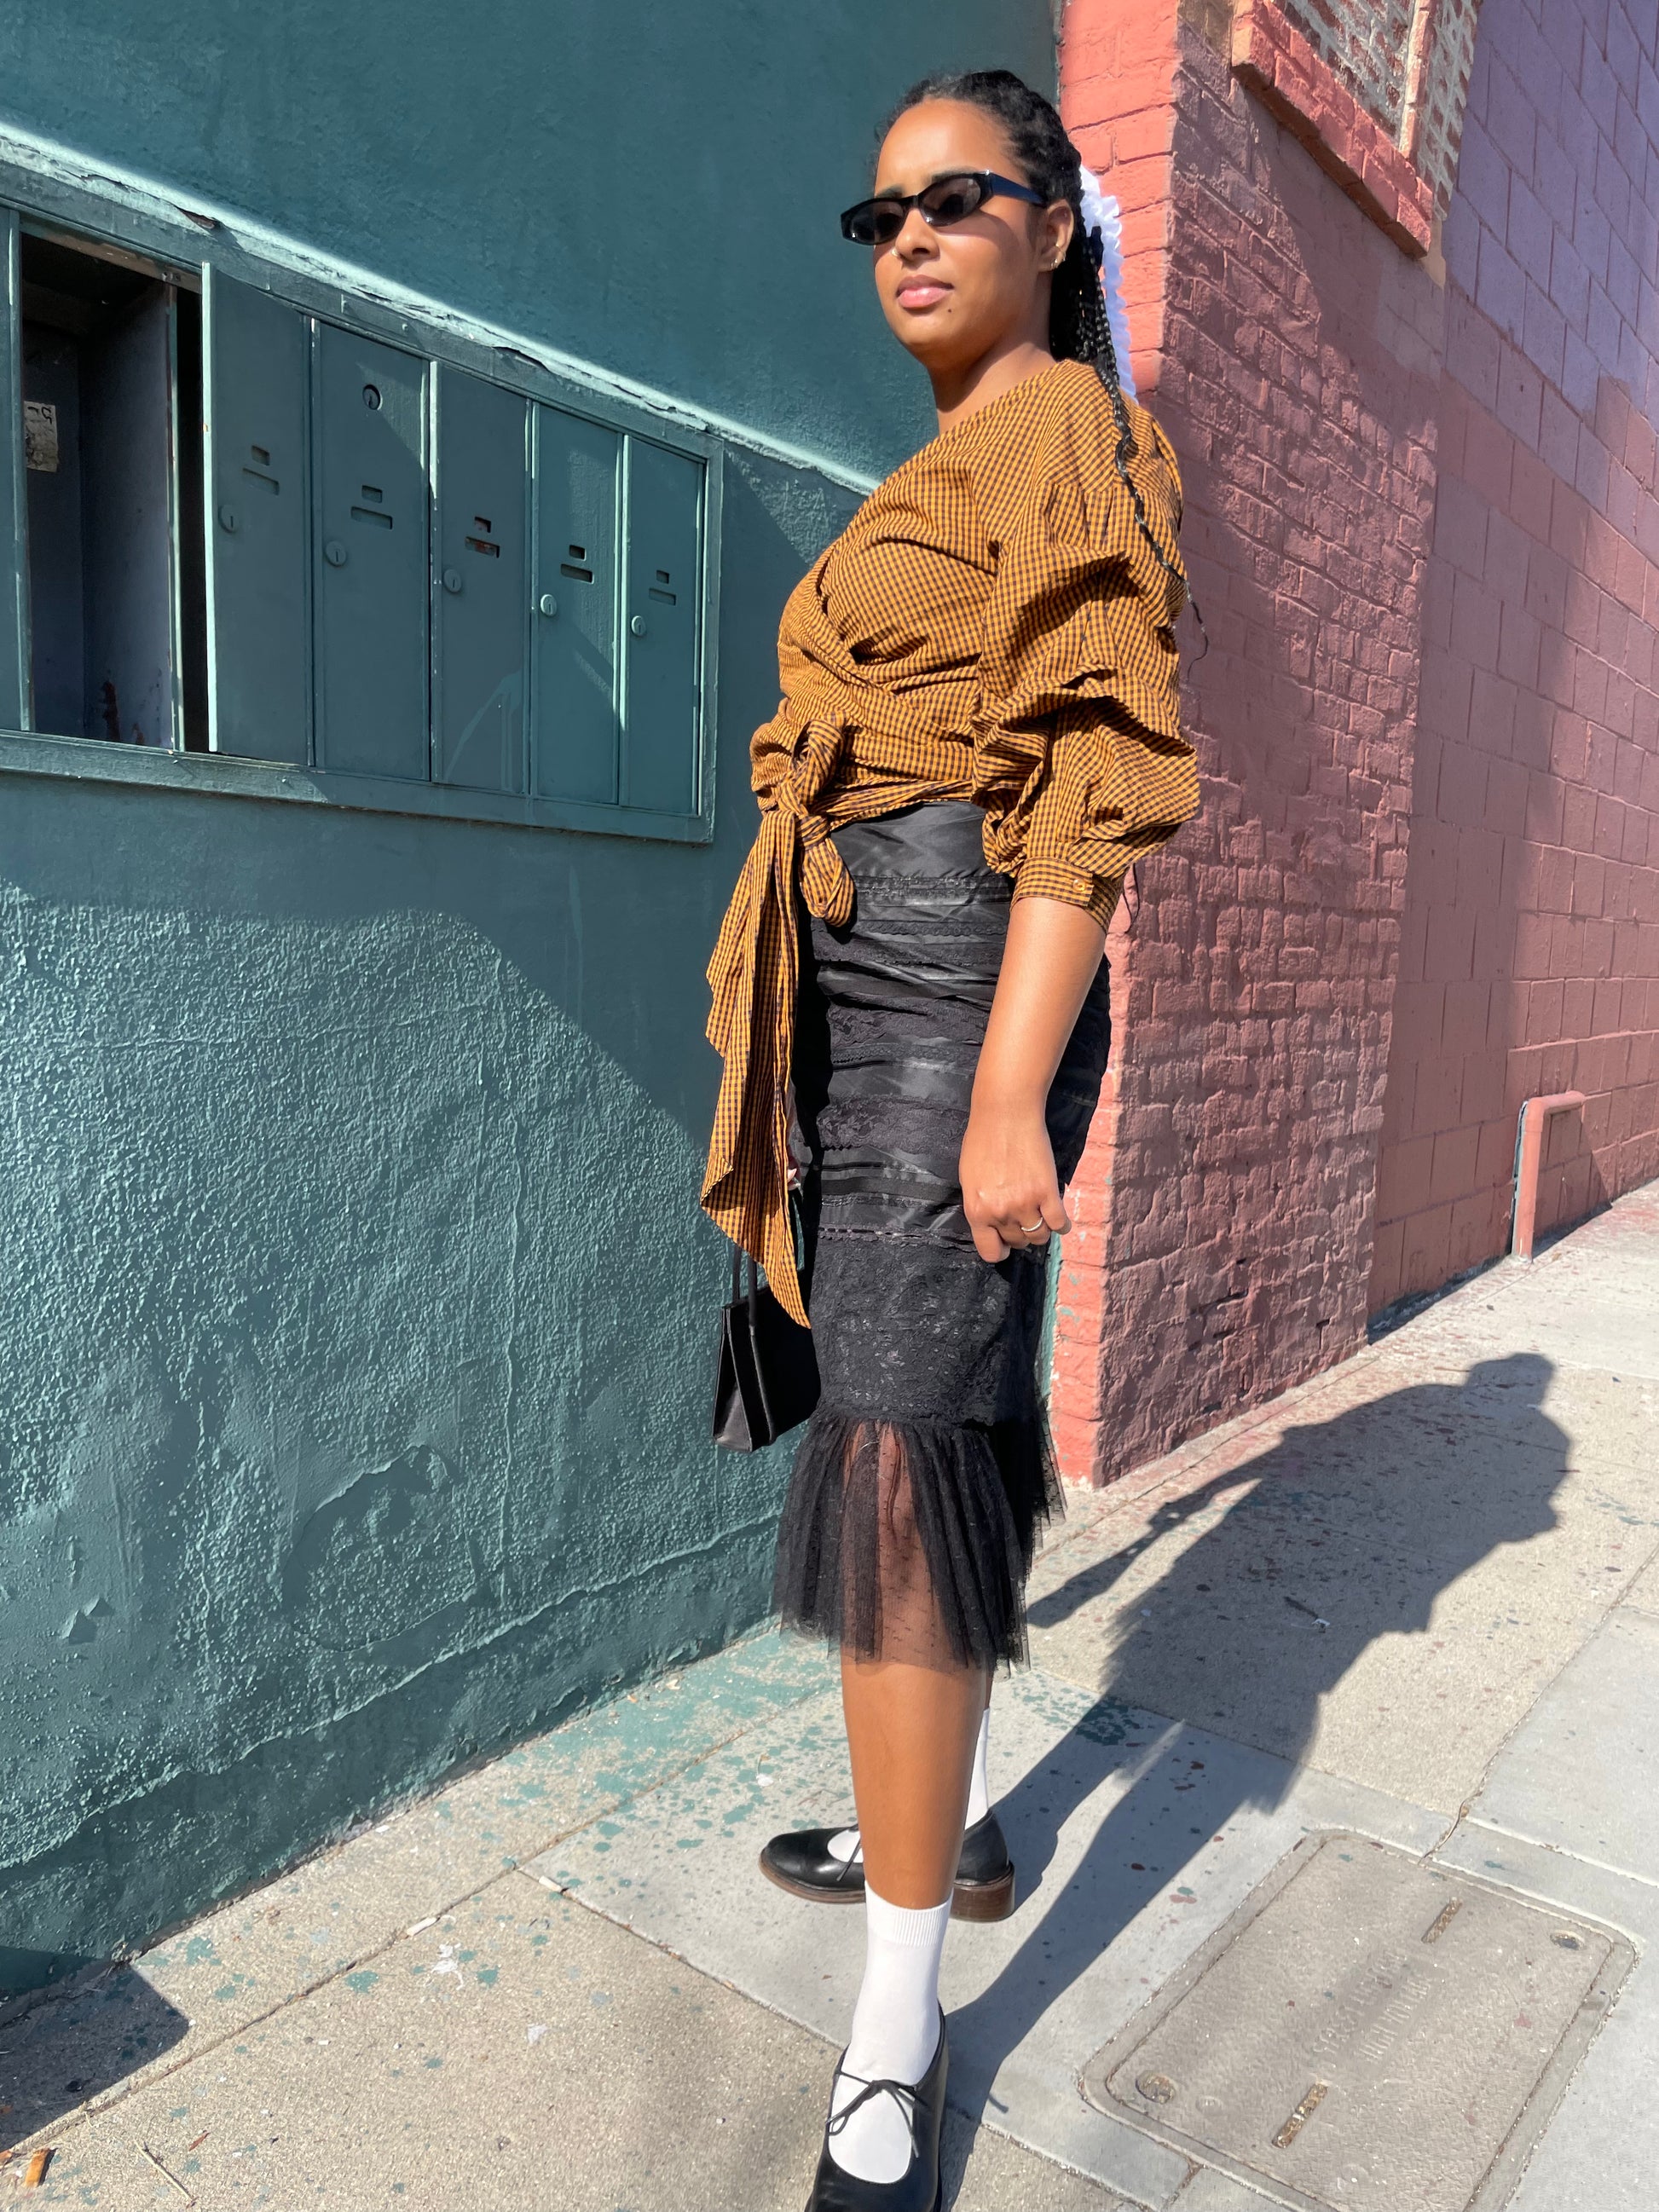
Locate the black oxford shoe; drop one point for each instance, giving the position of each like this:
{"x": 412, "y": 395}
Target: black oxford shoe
{"x": 802, "y": 1863}
{"x": 918, "y": 2188}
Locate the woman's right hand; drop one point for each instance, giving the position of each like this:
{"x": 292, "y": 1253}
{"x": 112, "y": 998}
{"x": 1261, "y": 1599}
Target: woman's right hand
{"x": 1009, "y": 1191}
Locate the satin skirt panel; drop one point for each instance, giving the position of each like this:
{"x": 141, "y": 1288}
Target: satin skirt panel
{"x": 925, "y": 1474}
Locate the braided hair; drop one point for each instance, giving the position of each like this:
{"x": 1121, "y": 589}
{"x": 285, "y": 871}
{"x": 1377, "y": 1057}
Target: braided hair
{"x": 1078, "y": 326}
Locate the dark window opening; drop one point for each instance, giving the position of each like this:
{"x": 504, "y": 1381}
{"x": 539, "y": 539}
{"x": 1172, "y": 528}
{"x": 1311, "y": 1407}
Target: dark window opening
{"x": 112, "y": 414}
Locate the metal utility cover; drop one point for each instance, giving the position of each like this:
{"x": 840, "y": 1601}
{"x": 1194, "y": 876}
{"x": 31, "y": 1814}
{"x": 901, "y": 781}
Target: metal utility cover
{"x": 1366, "y": 2032}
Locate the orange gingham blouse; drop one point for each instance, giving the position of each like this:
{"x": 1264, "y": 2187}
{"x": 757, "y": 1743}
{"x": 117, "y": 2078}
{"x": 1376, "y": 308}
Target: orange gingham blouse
{"x": 991, "y": 625}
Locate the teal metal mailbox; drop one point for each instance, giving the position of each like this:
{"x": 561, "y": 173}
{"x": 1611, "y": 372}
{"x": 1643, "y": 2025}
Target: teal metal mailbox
{"x": 481, "y": 562}
{"x": 660, "y": 709}
{"x": 577, "y": 727}
{"x": 371, "y": 651}
{"x": 256, "y": 385}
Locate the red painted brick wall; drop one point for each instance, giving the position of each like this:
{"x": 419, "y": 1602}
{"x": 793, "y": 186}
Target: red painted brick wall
{"x": 1222, "y": 1249}
{"x": 1530, "y": 961}
{"x": 1118, "y": 95}
{"x": 1422, "y": 522}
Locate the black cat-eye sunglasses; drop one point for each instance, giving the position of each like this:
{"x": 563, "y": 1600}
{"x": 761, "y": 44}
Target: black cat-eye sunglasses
{"x": 947, "y": 200}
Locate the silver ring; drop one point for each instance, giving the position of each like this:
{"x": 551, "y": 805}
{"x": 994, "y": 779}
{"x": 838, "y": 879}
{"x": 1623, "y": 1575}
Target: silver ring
{"x": 1034, "y": 1226}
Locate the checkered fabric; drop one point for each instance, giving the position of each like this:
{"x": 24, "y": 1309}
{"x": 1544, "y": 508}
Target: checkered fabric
{"x": 991, "y": 625}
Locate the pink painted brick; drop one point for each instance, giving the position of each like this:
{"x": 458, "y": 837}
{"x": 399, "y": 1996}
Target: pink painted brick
{"x": 1384, "y": 922}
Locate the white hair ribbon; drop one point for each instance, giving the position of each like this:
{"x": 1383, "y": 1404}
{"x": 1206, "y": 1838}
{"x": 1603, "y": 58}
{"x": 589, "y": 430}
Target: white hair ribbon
{"x": 1102, "y": 227}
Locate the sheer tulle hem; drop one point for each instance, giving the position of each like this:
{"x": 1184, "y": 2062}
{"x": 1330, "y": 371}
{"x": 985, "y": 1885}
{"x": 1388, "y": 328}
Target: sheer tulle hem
{"x": 912, "y": 1539}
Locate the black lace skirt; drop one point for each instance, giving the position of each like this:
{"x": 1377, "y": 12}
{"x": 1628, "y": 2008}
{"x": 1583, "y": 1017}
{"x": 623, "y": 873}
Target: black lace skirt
{"x": 925, "y": 1474}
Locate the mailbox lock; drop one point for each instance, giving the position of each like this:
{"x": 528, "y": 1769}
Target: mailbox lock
{"x": 452, "y": 580}
{"x": 638, "y": 625}
{"x": 335, "y": 554}
{"x": 227, "y": 517}
{"x": 549, "y": 605}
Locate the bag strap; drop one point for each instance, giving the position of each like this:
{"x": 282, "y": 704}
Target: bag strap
{"x": 797, "y": 1238}
{"x": 738, "y": 1294}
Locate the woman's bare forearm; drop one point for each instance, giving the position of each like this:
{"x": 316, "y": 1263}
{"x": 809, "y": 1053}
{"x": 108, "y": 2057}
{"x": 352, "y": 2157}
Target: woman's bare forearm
{"x": 1052, "y": 957}
{"x": 1010, "y": 1191}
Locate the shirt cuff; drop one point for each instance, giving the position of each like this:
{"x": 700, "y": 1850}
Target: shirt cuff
{"x": 1055, "y": 879}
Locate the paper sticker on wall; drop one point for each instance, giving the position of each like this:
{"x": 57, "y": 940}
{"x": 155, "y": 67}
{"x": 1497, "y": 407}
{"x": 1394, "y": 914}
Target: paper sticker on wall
{"x": 40, "y": 436}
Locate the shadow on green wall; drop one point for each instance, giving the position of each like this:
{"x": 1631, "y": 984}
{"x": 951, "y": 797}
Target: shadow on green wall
{"x": 355, "y": 1421}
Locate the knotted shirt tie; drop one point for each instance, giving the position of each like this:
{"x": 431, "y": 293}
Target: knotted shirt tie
{"x": 754, "y": 975}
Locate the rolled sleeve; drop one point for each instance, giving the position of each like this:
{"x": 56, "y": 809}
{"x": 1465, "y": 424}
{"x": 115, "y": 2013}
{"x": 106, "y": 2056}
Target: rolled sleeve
{"x": 1079, "y": 745}
{"x": 1054, "y": 880}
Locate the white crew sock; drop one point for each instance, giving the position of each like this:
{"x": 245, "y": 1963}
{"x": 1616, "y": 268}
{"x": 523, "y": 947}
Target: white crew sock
{"x": 845, "y": 1843}
{"x": 979, "y": 1783}
{"x": 895, "y": 2034}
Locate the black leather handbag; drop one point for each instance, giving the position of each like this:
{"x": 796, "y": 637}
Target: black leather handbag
{"x": 766, "y": 1382}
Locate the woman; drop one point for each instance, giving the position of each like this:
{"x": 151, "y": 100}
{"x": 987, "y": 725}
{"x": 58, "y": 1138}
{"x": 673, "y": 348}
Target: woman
{"x": 978, "y": 737}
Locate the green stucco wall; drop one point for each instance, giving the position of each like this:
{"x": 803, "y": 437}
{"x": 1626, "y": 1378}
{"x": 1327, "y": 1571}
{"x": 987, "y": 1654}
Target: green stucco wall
{"x": 356, "y": 1345}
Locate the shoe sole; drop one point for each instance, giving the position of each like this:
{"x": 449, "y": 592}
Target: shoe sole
{"x": 938, "y": 2204}
{"x": 969, "y": 1900}
{"x": 983, "y": 1900}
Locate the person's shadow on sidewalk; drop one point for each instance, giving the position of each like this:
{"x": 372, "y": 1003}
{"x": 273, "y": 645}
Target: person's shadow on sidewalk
{"x": 1449, "y": 1473}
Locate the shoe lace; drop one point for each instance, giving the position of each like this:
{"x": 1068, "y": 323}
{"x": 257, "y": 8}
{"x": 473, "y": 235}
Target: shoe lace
{"x": 904, "y": 2094}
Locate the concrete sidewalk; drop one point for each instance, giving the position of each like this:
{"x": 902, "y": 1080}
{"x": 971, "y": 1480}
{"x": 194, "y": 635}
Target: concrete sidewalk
{"x": 1370, "y": 1670}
